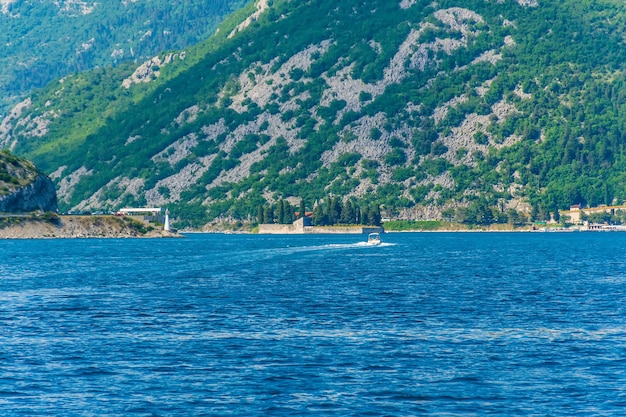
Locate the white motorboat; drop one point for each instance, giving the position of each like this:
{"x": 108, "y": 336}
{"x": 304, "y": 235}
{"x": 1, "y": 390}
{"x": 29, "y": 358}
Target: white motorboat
{"x": 373, "y": 239}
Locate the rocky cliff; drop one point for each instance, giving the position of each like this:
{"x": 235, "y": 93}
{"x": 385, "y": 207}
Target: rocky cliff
{"x": 23, "y": 188}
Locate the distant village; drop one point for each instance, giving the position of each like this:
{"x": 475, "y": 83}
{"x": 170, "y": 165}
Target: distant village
{"x": 600, "y": 218}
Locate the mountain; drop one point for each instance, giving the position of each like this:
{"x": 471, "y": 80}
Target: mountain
{"x": 42, "y": 40}
{"x": 478, "y": 111}
{"x": 23, "y": 188}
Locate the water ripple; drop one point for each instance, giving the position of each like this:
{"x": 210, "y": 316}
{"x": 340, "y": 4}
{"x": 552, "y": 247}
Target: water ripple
{"x": 426, "y": 324}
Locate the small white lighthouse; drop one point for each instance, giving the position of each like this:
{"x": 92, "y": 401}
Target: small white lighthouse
{"x": 166, "y": 226}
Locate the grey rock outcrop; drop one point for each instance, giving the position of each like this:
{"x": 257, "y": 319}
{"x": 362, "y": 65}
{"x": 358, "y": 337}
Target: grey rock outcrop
{"x": 23, "y": 188}
{"x": 40, "y": 194}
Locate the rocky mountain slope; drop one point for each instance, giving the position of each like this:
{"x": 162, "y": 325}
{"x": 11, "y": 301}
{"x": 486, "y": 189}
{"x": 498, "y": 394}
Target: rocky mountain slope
{"x": 482, "y": 111}
{"x": 23, "y": 188}
{"x": 45, "y": 39}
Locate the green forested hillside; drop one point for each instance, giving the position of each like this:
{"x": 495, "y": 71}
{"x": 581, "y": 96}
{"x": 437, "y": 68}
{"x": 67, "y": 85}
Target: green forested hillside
{"x": 46, "y": 39}
{"x": 468, "y": 110}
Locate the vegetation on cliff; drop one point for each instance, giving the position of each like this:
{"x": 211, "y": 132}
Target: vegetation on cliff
{"x": 14, "y": 172}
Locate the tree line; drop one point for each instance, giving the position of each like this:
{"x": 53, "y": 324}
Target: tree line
{"x": 328, "y": 212}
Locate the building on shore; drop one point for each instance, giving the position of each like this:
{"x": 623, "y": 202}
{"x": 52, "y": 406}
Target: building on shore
{"x": 147, "y": 215}
{"x": 577, "y": 212}
{"x": 304, "y": 226}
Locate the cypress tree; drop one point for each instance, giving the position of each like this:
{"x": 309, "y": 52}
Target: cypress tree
{"x": 281, "y": 211}
{"x": 260, "y": 214}
{"x": 268, "y": 215}
{"x": 376, "y": 218}
{"x": 302, "y": 208}
{"x": 326, "y": 209}
{"x": 288, "y": 212}
{"x": 335, "y": 211}
{"x": 318, "y": 215}
{"x": 365, "y": 220}
{"x": 347, "y": 213}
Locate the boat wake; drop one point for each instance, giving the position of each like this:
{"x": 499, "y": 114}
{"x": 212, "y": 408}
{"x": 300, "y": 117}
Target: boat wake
{"x": 269, "y": 253}
{"x": 357, "y": 245}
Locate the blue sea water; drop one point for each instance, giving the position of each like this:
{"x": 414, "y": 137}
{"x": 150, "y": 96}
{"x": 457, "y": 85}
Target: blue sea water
{"x": 442, "y": 324}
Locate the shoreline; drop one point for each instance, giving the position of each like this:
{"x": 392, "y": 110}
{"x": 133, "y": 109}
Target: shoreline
{"x": 108, "y": 226}
{"x": 78, "y": 227}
